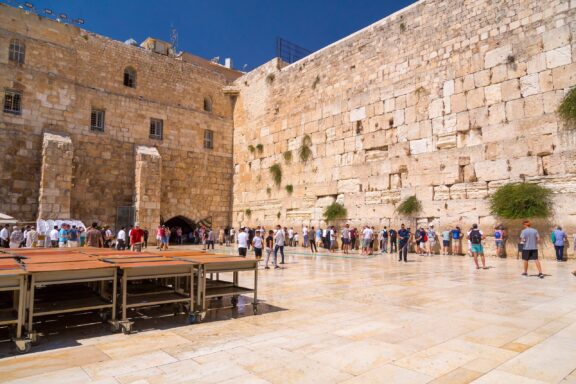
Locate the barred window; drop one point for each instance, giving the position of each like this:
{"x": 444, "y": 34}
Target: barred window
{"x": 13, "y": 102}
{"x": 97, "y": 120}
{"x": 156, "y": 129}
{"x": 207, "y": 104}
{"x": 208, "y": 139}
{"x": 130, "y": 77}
{"x": 17, "y": 51}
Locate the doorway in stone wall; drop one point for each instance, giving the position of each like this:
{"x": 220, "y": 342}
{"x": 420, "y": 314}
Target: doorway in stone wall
{"x": 187, "y": 225}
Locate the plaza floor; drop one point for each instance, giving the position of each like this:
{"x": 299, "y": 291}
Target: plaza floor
{"x": 336, "y": 318}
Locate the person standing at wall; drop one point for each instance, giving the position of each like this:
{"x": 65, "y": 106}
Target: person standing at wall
{"x": 31, "y": 238}
{"x": 475, "y": 236}
{"x": 332, "y": 234}
{"x": 404, "y": 241}
{"x": 305, "y": 236}
{"x": 530, "y": 240}
{"x": 499, "y": 240}
{"x": 346, "y": 238}
{"x": 366, "y": 239}
{"x": 279, "y": 242}
{"x": 446, "y": 242}
{"x": 54, "y": 237}
{"x": 559, "y": 239}
{"x": 211, "y": 239}
{"x": 63, "y": 236}
{"x": 384, "y": 240}
{"x": 393, "y": 235}
{"x": 456, "y": 236}
{"x": 431, "y": 240}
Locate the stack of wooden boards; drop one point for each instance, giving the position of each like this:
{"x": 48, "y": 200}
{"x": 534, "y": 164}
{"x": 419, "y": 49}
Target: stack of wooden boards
{"x": 49, "y": 281}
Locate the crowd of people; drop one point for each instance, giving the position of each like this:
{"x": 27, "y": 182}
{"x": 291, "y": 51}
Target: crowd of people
{"x": 366, "y": 240}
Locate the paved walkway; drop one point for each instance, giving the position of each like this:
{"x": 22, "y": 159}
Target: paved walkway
{"x": 349, "y": 319}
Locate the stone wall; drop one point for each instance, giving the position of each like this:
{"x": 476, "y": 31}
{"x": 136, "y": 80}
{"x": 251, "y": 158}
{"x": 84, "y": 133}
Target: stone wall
{"x": 445, "y": 99}
{"x": 55, "y": 177}
{"x": 67, "y": 72}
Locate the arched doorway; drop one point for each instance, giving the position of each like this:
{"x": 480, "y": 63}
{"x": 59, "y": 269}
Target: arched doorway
{"x": 183, "y": 222}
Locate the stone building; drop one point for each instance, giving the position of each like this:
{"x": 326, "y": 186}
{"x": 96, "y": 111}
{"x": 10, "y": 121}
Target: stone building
{"x": 446, "y": 100}
{"x": 93, "y": 129}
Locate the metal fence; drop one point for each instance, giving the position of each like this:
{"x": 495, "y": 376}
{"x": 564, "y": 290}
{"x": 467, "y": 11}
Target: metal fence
{"x": 290, "y": 52}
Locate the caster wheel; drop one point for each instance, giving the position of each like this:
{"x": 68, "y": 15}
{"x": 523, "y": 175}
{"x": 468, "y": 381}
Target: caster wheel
{"x": 22, "y": 348}
{"x": 104, "y": 316}
{"x": 192, "y": 319}
{"x": 234, "y": 301}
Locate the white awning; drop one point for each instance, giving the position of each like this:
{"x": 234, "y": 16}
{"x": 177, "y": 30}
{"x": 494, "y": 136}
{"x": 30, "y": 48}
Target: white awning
{"x": 5, "y": 219}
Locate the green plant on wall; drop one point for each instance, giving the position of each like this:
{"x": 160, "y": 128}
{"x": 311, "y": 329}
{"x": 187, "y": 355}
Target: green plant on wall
{"x": 289, "y": 189}
{"x": 304, "y": 151}
{"x": 567, "y": 109}
{"x": 410, "y": 206}
{"x": 521, "y": 201}
{"x": 268, "y": 191}
{"x": 251, "y": 148}
{"x": 335, "y": 211}
{"x": 248, "y": 212}
{"x": 287, "y": 156}
{"x": 276, "y": 173}
{"x": 260, "y": 148}
{"x": 278, "y": 215}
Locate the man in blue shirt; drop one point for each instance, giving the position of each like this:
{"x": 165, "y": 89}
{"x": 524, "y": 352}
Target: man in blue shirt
{"x": 559, "y": 238}
{"x": 404, "y": 240}
{"x": 63, "y": 236}
{"x": 456, "y": 236}
{"x": 73, "y": 237}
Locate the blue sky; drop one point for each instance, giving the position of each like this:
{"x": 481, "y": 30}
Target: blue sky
{"x": 244, "y": 30}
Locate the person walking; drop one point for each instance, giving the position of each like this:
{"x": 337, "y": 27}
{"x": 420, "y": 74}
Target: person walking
{"x": 279, "y": 241}
{"x": 210, "y": 239}
{"x": 403, "y": 244}
{"x": 257, "y": 245}
{"x": 31, "y": 238}
{"x": 332, "y": 234}
{"x": 53, "y": 235}
{"x": 318, "y": 238}
{"x": 475, "y": 236}
{"x": 313, "y": 247}
{"x": 63, "y": 236}
{"x": 530, "y": 240}
{"x": 366, "y": 239}
{"x": 270, "y": 250}
{"x": 242, "y": 242}
{"x": 5, "y": 236}
{"x": 559, "y": 238}
{"x": 121, "y": 239}
{"x": 136, "y": 238}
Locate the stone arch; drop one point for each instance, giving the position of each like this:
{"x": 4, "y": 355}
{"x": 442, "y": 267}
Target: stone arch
{"x": 188, "y": 225}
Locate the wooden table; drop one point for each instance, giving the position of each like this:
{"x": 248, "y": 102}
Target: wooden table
{"x": 166, "y": 273}
{"x": 15, "y": 280}
{"x": 95, "y": 298}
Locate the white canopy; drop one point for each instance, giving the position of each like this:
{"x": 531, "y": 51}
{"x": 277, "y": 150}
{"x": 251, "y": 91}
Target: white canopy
{"x": 43, "y": 226}
{"x": 5, "y": 219}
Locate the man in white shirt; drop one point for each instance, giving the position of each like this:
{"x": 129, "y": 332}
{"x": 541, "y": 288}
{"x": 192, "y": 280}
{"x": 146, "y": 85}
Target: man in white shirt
{"x": 5, "y": 236}
{"x": 291, "y": 237}
{"x": 121, "y": 239}
{"x": 279, "y": 241}
{"x": 346, "y": 238}
{"x": 367, "y": 235}
{"x": 305, "y": 236}
{"x": 242, "y": 242}
{"x": 54, "y": 237}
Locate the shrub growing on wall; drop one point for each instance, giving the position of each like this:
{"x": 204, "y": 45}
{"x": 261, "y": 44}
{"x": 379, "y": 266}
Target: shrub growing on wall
{"x": 304, "y": 151}
{"x": 289, "y": 189}
{"x": 251, "y": 148}
{"x": 335, "y": 211}
{"x": 287, "y": 156}
{"x": 521, "y": 201}
{"x": 567, "y": 109}
{"x": 248, "y": 212}
{"x": 276, "y": 173}
{"x": 409, "y": 206}
{"x": 260, "y": 148}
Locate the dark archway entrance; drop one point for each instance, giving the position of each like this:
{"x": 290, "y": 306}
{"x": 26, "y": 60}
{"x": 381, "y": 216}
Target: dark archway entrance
{"x": 183, "y": 222}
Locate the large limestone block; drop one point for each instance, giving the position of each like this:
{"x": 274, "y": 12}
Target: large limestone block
{"x": 559, "y": 56}
{"x": 492, "y": 170}
{"x": 525, "y": 166}
{"x": 497, "y": 56}
{"x": 419, "y": 146}
{"x": 475, "y": 98}
{"x": 357, "y": 114}
{"x": 556, "y": 38}
{"x": 349, "y": 186}
{"x": 446, "y": 142}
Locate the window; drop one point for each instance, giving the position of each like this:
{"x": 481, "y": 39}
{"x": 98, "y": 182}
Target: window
{"x": 207, "y": 104}
{"x": 17, "y": 51}
{"x": 156, "y": 129}
{"x": 97, "y": 120}
{"x": 130, "y": 77}
{"x": 208, "y": 139}
{"x": 13, "y": 102}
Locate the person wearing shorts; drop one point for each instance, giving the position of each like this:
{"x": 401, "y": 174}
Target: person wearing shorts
{"x": 346, "y": 238}
{"x": 530, "y": 239}
{"x": 475, "y": 236}
{"x": 446, "y": 242}
{"x": 257, "y": 244}
{"x": 431, "y": 240}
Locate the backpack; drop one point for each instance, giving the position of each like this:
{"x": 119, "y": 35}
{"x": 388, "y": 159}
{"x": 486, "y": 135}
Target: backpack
{"x": 497, "y": 235}
{"x": 475, "y": 236}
